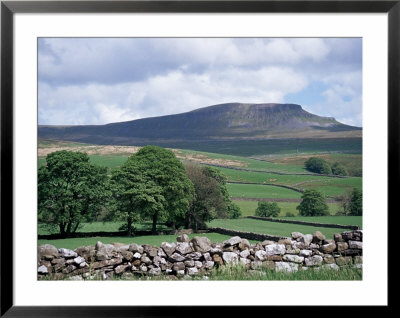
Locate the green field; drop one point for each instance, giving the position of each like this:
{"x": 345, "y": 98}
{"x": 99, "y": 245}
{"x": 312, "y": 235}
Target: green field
{"x": 332, "y": 219}
{"x": 276, "y": 155}
{"x": 102, "y": 227}
{"x": 154, "y": 240}
{"x": 272, "y": 228}
{"x": 248, "y": 208}
{"x": 261, "y": 191}
{"x": 268, "y": 147}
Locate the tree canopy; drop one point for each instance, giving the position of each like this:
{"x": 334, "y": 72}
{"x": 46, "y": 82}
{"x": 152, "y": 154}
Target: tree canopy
{"x": 71, "y": 190}
{"x": 318, "y": 165}
{"x": 153, "y": 184}
{"x": 267, "y": 209}
{"x": 313, "y": 204}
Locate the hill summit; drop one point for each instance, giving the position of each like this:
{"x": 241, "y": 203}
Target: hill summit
{"x": 218, "y": 122}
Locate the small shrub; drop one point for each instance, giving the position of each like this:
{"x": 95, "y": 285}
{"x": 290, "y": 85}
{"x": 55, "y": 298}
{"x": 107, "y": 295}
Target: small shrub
{"x": 234, "y": 211}
{"x": 290, "y": 214}
{"x": 339, "y": 170}
{"x": 355, "y": 205}
{"x": 268, "y": 209}
{"x": 318, "y": 165}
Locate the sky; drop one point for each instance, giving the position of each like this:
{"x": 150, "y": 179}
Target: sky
{"x": 91, "y": 81}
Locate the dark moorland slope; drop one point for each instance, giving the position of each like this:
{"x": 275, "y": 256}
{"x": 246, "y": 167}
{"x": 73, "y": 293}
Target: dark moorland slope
{"x": 234, "y": 121}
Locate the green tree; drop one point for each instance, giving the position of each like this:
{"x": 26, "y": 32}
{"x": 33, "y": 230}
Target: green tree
{"x": 339, "y": 169}
{"x": 211, "y": 198}
{"x": 318, "y": 165}
{"x": 156, "y": 186}
{"x": 355, "y": 206}
{"x": 71, "y": 190}
{"x": 134, "y": 195}
{"x": 313, "y": 204}
{"x": 267, "y": 209}
{"x": 351, "y": 203}
{"x": 234, "y": 211}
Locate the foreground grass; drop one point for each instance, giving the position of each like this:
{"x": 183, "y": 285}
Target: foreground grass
{"x": 239, "y": 273}
{"x": 154, "y": 240}
{"x": 272, "y": 228}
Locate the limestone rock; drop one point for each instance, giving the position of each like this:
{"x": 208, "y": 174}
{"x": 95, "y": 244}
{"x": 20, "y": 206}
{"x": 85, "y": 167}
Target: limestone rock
{"x": 47, "y": 249}
{"x": 176, "y": 257}
{"x": 135, "y": 248}
{"x": 192, "y": 271}
{"x": 318, "y": 237}
{"x": 286, "y": 267}
{"x": 209, "y": 264}
{"x": 275, "y": 249}
{"x": 244, "y": 253}
{"x": 293, "y": 258}
{"x": 296, "y": 235}
{"x": 184, "y": 238}
{"x": 66, "y": 253}
{"x": 356, "y": 245}
{"x": 127, "y": 255}
{"x": 78, "y": 260}
{"x": 189, "y": 263}
{"x": 168, "y": 248}
{"x": 329, "y": 259}
{"x": 338, "y": 237}
{"x": 178, "y": 266}
{"x": 342, "y": 261}
{"x": 183, "y": 248}
{"x": 155, "y": 271}
{"x": 305, "y": 253}
{"x": 233, "y": 241}
{"x": 315, "y": 260}
{"x": 269, "y": 264}
{"x": 306, "y": 239}
{"x": 341, "y": 246}
{"x": 244, "y": 244}
{"x": 43, "y": 270}
{"x": 121, "y": 268}
{"x": 260, "y": 255}
{"x": 201, "y": 244}
{"x": 230, "y": 258}
{"x": 267, "y": 242}
{"x": 328, "y": 248}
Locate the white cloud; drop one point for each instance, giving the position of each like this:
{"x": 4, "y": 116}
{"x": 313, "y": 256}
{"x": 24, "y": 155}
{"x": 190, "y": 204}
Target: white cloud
{"x": 174, "y": 92}
{"x": 96, "y": 81}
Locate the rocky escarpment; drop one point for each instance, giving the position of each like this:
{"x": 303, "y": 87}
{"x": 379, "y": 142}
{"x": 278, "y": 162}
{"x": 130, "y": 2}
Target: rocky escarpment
{"x": 199, "y": 257}
{"x": 217, "y": 122}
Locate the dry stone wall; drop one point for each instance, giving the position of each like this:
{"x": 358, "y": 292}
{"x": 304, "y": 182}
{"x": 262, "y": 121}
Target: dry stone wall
{"x": 198, "y": 256}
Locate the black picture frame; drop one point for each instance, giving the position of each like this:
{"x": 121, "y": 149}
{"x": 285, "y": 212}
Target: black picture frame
{"x": 9, "y": 8}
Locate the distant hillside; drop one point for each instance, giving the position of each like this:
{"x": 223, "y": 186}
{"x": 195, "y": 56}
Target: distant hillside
{"x": 232, "y": 121}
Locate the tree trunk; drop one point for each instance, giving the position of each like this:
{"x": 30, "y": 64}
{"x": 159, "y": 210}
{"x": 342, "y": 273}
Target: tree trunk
{"x": 62, "y": 229}
{"x": 75, "y": 227}
{"x": 154, "y": 229}
{"x": 129, "y": 232}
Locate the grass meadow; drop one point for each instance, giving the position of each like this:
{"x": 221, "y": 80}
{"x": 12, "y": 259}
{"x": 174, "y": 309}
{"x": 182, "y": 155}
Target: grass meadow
{"x": 273, "y": 228}
{"x": 248, "y": 208}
